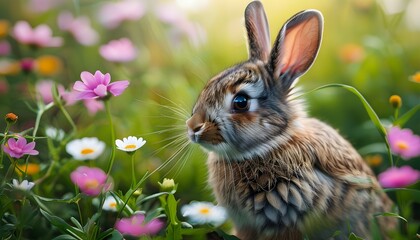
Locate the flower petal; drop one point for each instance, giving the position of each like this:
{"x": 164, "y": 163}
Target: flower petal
{"x": 100, "y": 90}
{"x": 89, "y": 79}
{"x": 116, "y": 88}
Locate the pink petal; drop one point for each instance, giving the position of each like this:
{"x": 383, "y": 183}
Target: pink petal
{"x": 154, "y": 226}
{"x": 89, "y": 79}
{"x": 55, "y": 42}
{"x": 21, "y": 142}
{"x": 116, "y": 88}
{"x": 102, "y": 78}
{"x": 80, "y": 86}
{"x": 100, "y": 90}
{"x": 86, "y": 95}
{"x": 23, "y": 32}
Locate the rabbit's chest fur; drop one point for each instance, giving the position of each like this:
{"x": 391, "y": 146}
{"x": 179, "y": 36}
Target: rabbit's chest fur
{"x": 286, "y": 190}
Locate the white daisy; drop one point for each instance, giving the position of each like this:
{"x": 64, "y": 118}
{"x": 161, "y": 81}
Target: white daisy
{"x": 130, "y": 144}
{"x": 85, "y": 148}
{"x": 204, "y": 213}
{"x": 24, "y": 185}
{"x": 54, "y": 133}
{"x": 110, "y": 204}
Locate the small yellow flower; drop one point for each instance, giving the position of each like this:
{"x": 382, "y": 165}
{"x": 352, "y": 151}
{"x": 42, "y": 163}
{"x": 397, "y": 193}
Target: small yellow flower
{"x": 4, "y": 28}
{"x": 30, "y": 168}
{"x": 48, "y": 65}
{"x": 395, "y": 101}
{"x": 416, "y": 77}
{"x": 374, "y": 160}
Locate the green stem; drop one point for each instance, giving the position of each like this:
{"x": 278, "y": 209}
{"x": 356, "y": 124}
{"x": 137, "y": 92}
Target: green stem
{"x": 133, "y": 172}
{"x": 10, "y": 171}
{"x": 111, "y": 127}
{"x": 3, "y": 141}
{"x": 42, "y": 109}
{"x": 396, "y": 113}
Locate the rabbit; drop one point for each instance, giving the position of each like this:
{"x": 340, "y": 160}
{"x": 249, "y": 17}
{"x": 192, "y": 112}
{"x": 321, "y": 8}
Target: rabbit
{"x": 279, "y": 173}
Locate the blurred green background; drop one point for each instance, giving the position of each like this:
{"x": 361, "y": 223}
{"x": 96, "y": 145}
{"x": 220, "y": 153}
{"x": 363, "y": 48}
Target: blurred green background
{"x": 371, "y": 45}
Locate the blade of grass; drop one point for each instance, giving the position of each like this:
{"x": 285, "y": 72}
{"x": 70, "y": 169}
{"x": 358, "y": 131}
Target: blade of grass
{"x": 371, "y": 113}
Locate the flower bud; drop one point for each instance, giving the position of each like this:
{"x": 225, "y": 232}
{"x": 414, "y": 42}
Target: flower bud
{"x": 167, "y": 185}
{"x": 11, "y": 118}
{"x": 395, "y": 101}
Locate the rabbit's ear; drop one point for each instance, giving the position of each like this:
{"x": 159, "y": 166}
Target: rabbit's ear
{"x": 296, "y": 46}
{"x": 259, "y": 43}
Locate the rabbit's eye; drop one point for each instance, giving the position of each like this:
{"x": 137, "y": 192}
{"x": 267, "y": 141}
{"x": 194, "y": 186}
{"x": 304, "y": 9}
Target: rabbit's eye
{"x": 240, "y": 103}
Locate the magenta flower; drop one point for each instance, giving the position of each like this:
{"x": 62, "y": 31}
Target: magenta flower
{"x": 41, "y": 36}
{"x": 112, "y": 14}
{"x": 398, "y": 177}
{"x": 135, "y": 226}
{"x": 121, "y": 50}
{"x": 18, "y": 148}
{"x": 91, "y": 181}
{"x": 5, "y": 48}
{"x": 79, "y": 27}
{"x": 98, "y": 86}
{"x": 44, "y": 89}
{"x": 404, "y": 143}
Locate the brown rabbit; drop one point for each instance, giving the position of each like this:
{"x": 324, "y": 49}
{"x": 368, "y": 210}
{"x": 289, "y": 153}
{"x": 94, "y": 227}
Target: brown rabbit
{"x": 279, "y": 173}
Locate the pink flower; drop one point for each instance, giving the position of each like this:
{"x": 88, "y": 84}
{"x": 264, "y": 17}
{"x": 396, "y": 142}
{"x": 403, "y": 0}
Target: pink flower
{"x": 27, "y": 64}
{"x": 121, "y": 50}
{"x": 111, "y": 15}
{"x": 5, "y": 48}
{"x": 18, "y": 148}
{"x": 398, "y": 177}
{"x": 41, "y": 36}
{"x": 404, "y": 143}
{"x": 43, "y": 5}
{"x": 93, "y": 106}
{"x": 44, "y": 89}
{"x": 91, "y": 181}
{"x": 98, "y": 86}
{"x": 181, "y": 26}
{"x": 135, "y": 226}
{"x": 79, "y": 27}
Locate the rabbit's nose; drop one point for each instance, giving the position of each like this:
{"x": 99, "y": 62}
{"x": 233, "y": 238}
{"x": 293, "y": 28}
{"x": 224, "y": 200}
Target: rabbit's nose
{"x": 195, "y": 123}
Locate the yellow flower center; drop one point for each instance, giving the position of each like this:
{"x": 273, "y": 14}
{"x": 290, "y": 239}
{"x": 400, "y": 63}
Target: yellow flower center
{"x": 130, "y": 146}
{"x": 92, "y": 184}
{"x": 113, "y": 205}
{"x": 204, "y": 211}
{"x": 87, "y": 151}
{"x": 402, "y": 145}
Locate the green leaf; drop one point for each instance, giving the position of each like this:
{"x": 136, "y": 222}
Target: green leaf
{"x": 404, "y": 118}
{"x": 371, "y": 113}
{"x": 64, "y": 237}
{"x": 75, "y": 222}
{"x": 109, "y": 232}
{"x": 140, "y": 201}
{"x": 171, "y": 209}
{"x": 63, "y": 226}
{"x": 390, "y": 214}
{"x": 226, "y": 236}
{"x": 353, "y": 236}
